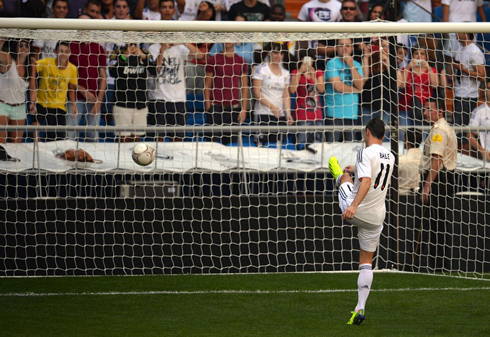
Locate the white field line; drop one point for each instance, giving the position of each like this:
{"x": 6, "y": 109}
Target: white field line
{"x": 232, "y": 292}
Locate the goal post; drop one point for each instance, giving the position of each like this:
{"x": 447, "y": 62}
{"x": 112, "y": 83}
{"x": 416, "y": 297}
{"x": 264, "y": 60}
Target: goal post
{"x": 240, "y": 182}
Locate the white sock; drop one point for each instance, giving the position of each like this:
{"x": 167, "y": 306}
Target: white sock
{"x": 364, "y": 284}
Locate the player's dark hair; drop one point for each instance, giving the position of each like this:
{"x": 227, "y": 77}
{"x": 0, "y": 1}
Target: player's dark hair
{"x": 62, "y": 43}
{"x": 377, "y": 128}
{"x": 97, "y": 3}
{"x": 414, "y": 138}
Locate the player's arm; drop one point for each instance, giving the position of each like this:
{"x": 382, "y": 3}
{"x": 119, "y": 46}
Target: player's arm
{"x": 436, "y": 164}
{"x": 361, "y": 194}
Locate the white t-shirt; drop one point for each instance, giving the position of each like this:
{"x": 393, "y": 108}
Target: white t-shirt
{"x": 317, "y": 11}
{"x": 151, "y": 15}
{"x": 375, "y": 162}
{"x": 169, "y": 85}
{"x": 47, "y": 47}
{"x": 481, "y": 117}
{"x": 272, "y": 88}
{"x": 462, "y": 11}
{"x": 190, "y": 10}
{"x": 469, "y": 57}
{"x": 414, "y": 13}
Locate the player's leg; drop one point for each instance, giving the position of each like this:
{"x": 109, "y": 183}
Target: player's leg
{"x": 368, "y": 241}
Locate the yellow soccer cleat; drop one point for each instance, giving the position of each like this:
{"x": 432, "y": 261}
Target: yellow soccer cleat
{"x": 334, "y": 167}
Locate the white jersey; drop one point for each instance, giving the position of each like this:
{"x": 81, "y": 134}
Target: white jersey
{"x": 169, "y": 85}
{"x": 151, "y": 15}
{"x": 462, "y": 11}
{"x": 469, "y": 57}
{"x": 317, "y": 11}
{"x": 272, "y": 88}
{"x": 377, "y": 163}
{"x": 481, "y": 117}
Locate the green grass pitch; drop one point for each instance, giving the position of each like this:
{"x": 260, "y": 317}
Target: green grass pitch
{"x": 243, "y": 305}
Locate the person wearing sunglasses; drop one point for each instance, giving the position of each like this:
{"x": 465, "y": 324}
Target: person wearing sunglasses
{"x": 349, "y": 11}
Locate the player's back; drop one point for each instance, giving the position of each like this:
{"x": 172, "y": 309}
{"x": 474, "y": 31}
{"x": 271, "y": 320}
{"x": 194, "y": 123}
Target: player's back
{"x": 377, "y": 163}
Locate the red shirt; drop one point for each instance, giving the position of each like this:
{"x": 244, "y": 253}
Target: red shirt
{"x": 308, "y": 107}
{"x": 88, "y": 57}
{"x": 423, "y": 89}
{"x": 227, "y": 78}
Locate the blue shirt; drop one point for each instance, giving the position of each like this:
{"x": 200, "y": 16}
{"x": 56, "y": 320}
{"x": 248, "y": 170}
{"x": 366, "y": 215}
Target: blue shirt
{"x": 340, "y": 105}
{"x": 245, "y": 50}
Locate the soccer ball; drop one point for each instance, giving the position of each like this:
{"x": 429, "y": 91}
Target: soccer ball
{"x": 143, "y": 154}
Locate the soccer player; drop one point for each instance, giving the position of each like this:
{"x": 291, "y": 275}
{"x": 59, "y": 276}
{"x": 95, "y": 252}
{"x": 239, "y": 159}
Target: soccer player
{"x": 363, "y": 202}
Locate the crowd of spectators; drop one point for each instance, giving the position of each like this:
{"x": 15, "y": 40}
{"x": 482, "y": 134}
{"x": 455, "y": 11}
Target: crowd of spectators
{"x": 342, "y": 82}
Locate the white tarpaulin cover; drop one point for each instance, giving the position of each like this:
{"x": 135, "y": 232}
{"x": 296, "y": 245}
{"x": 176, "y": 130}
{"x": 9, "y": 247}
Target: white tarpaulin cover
{"x": 184, "y": 156}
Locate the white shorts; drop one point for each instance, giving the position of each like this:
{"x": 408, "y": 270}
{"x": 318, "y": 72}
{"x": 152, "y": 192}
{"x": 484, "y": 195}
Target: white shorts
{"x": 130, "y": 117}
{"x": 368, "y": 234}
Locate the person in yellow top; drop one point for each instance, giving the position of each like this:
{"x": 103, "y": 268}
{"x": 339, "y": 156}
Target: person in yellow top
{"x": 57, "y": 77}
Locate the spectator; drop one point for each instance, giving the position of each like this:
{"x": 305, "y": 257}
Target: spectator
{"x": 469, "y": 70}
{"x": 278, "y": 13}
{"x": 90, "y": 60}
{"x": 31, "y": 8}
{"x": 121, "y": 10}
{"x": 206, "y": 12}
{"x": 376, "y": 93}
{"x": 226, "y": 91}
{"x": 418, "y": 10}
{"x": 270, "y": 86}
{"x": 242, "y": 49}
{"x": 308, "y": 84}
{"x": 199, "y": 10}
{"x": 408, "y": 163}
{"x": 401, "y": 56}
{"x": 459, "y": 11}
{"x": 167, "y": 9}
{"x": 481, "y": 118}
{"x": 349, "y": 11}
{"x": 107, "y": 9}
{"x": 376, "y": 12}
{"x": 319, "y": 11}
{"x": 195, "y": 72}
{"x": 14, "y": 66}
{"x": 437, "y": 165}
{"x": 131, "y": 74}
{"x": 345, "y": 81}
{"x": 167, "y": 91}
{"x": 152, "y": 10}
{"x": 93, "y": 9}
{"x": 252, "y": 9}
{"x": 75, "y": 9}
{"x": 45, "y": 48}
{"x": 419, "y": 81}
{"x": 57, "y": 77}
{"x": 436, "y": 60}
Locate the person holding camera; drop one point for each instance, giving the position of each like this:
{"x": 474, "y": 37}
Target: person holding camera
{"x": 419, "y": 80}
{"x": 131, "y": 75}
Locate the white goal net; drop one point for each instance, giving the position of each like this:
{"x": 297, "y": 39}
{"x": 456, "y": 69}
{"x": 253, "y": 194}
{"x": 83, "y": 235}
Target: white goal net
{"x": 243, "y": 118}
